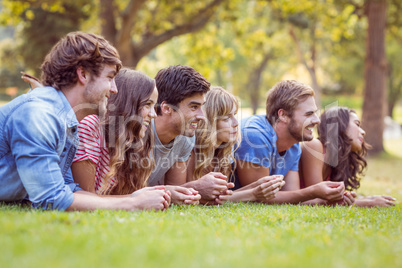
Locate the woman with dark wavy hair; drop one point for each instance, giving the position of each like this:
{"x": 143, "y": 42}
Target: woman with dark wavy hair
{"x": 338, "y": 155}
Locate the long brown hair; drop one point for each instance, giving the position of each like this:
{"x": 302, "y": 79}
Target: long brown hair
{"x": 346, "y": 166}
{"x": 218, "y": 103}
{"x": 130, "y": 156}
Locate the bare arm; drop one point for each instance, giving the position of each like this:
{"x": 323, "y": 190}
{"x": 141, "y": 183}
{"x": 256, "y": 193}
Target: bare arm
{"x": 249, "y": 172}
{"x": 175, "y": 180}
{"x": 177, "y": 174}
{"x": 84, "y": 174}
{"x": 32, "y": 80}
{"x": 292, "y": 181}
{"x": 311, "y": 162}
{"x": 151, "y": 200}
{"x": 191, "y": 167}
{"x": 375, "y": 201}
{"x": 330, "y": 191}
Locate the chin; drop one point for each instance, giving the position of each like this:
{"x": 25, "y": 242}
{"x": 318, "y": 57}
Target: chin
{"x": 189, "y": 133}
{"x": 307, "y": 138}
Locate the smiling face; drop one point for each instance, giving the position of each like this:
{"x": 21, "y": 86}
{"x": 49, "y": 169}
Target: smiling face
{"x": 227, "y": 127}
{"x": 355, "y": 132}
{"x": 99, "y": 89}
{"x": 186, "y": 116}
{"x": 148, "y": 112}
{"x": 303, "y": 120}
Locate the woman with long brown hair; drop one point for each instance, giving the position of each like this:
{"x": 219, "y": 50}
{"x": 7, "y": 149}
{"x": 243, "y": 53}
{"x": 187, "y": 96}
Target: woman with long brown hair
{"x": 338, "y": 155}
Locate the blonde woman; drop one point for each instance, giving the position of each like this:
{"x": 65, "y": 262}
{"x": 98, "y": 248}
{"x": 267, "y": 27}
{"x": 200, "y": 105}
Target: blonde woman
{"x": 216, "y": 140}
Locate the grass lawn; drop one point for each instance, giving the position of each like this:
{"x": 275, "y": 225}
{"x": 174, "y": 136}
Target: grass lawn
{"x": 232, "y": 235}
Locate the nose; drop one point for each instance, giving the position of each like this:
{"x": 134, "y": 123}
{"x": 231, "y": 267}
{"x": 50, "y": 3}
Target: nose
{"x": 235, "y": 123}
{"x": 362, "y": 132}
{"x": 152, "y": 112}
{"x": 200, "y": 114}
{"x": 316, "y": 120}
{"x": 113, "y": 87}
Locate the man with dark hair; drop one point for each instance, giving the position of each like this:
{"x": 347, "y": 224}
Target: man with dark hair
{"x": 181, "y": 96}
{"x": 270, "y": 145}
{"x": 39, "y": 139}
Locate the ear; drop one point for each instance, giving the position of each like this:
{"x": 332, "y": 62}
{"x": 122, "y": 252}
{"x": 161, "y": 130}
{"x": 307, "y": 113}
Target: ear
{"x": 82, "y": 75}
{"x": 282, "y": 116}
{"x": 166, "y": 109}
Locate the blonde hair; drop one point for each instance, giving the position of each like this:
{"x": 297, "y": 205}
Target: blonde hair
{"x": 208, "y": 158}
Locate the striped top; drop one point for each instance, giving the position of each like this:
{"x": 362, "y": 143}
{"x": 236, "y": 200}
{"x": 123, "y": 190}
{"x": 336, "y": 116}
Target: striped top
{"x": 92, "y": 146}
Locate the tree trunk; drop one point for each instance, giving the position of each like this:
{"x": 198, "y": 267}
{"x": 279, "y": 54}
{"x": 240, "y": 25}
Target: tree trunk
{"x": 311, "y": 68}
{"x": 394, "y": 91}
{"x": 255, "y": 82}
{"x": 375, "y": 68}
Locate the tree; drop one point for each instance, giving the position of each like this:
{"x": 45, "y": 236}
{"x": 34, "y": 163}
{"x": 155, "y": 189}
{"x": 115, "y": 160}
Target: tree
{"x": 146, "y": 24}
{"x": 375, "y": 69}
{"x": 45, "y": 28}
{"x": 135, "y": 27}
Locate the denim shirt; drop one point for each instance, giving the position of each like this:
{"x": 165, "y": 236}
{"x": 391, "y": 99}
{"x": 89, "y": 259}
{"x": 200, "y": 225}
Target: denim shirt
{"x": 38, "y": 141}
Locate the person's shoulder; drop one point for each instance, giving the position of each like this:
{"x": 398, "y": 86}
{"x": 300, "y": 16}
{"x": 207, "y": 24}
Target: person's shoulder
{"x": 184, "y": 141}
{"x": 314, "y": 144}
{"x": 255, "y": 121}
{"x": 91, "y": 119}
{"x": 89, "y": 125}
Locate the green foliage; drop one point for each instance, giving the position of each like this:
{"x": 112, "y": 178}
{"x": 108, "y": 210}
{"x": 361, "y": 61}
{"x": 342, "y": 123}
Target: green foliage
{"x": 351, "y": 101}
{"x": 10, "y": 69}
{"x": 45, "y": 27}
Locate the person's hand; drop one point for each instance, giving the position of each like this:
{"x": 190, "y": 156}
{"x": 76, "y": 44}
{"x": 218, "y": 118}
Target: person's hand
{"x": 329, "y": 190}
{"x": 33, "y": 81}
{"x": 267, "y": 187}
{"x": 211, "y": 185}
{"x": 149, "y": 188}
{"x": 349, "y": 199}
{"x": 153, "y": 200}
{"x": 223, "y": 197}
{"x": 181, "y": 195}
{"x": 382, "y": 200}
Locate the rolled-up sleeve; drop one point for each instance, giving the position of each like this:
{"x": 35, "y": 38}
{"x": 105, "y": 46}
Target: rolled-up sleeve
{"x": 36, "y": 141}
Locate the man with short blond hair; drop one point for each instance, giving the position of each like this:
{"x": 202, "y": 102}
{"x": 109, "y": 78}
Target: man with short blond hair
{"x": 270, "y": 145}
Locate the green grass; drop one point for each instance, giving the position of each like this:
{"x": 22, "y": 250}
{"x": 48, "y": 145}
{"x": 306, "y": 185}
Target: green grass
{"x": 233, "y": 235}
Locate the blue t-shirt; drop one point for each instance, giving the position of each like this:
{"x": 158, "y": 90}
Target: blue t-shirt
{"x": 258, "y": 146}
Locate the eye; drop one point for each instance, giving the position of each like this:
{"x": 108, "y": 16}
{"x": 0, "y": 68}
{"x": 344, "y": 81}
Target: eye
{"x": 225, "y": 119}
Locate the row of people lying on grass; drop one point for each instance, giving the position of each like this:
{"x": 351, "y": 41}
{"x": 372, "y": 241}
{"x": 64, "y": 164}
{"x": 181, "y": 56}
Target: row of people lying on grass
{"x": 133, "y": 147}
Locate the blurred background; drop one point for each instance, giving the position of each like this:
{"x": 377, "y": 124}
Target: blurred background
{"x": 349, "y": 51}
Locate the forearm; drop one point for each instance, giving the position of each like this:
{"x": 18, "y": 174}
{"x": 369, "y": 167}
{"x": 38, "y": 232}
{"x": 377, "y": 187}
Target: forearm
{"x": 364, "y": 202}
{"x": 84, "y": 201}
{"x": 292, "y": 197}
{"x": 191, "y": 184}
{"x": 242, "y": 195}
{"x": 314, "y": 202}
